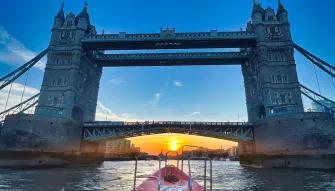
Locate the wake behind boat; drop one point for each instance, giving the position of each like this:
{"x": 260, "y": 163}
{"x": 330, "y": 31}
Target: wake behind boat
{"x": 173, "y": 178}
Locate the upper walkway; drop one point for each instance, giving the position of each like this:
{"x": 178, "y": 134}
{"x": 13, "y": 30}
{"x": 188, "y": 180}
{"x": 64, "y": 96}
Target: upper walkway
{"x": 169, "y": 39}
{"x": 172, "y": 59}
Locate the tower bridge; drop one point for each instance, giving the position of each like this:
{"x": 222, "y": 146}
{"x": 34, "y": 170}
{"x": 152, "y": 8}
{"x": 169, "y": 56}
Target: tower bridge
{"x": 278, "y": 131}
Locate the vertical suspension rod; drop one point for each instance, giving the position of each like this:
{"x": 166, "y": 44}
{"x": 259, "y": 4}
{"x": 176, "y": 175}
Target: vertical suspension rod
{"x": 24, "y": 88}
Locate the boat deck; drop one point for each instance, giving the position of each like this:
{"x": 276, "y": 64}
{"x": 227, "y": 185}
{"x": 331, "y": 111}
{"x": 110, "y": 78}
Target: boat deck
{"x": 171, "y": 179}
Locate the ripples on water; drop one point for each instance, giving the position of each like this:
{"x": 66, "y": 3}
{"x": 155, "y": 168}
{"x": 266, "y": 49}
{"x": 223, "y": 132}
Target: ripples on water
{"x": 118, "y": 176}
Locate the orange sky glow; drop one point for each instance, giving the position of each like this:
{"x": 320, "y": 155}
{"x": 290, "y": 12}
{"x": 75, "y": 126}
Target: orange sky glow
{"x": 154, "y": 144}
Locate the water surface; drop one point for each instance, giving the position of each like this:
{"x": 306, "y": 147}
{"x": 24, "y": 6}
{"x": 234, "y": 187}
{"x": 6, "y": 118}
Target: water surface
{"x": 118, "y": 176}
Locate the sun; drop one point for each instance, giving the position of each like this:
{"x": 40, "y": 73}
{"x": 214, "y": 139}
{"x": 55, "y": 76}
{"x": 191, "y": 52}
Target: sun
{"x": 173, "y": 145}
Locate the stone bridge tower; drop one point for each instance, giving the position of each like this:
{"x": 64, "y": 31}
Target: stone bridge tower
{"x": 71, "y": 81}
{"x": 271, "y": 82}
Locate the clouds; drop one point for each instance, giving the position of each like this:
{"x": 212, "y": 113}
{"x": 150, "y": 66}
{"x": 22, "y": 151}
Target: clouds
{"x": 104, "y": 113}
{"x": 157, "y": 96}
{"x": 14, "y": 52}
{"x": 156, "y": 99}
{"x": 116, "y": 81}
{"x": 15, "y": 95}
{"x": 193, "y": 114}
{"x": 178, "y": 83}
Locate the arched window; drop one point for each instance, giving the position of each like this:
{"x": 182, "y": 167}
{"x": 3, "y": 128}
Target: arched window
{"x": 279, "y": 78}
{"x": 289, "y": 98}
{"x": 69, "y": 23}
{"x": 53, "y": 82}
{"x": 65, "y": 81}
{"x": 285, "y": 78}
{"x": 49, "y": 101}
{"x": 59, "y": 82}
{"x": 61, "y": 99}
{"x": 55, "y": 101}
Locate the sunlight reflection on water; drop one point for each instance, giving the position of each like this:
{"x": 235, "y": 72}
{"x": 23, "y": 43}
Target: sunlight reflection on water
{"x": 118, "y": 176}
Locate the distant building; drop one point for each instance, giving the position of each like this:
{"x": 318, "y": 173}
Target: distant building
{"x": 232, "y": 152}
{"x": 320, "y": 108}
{"x": 120, "y": 147}
{"x": 201, "y": 152}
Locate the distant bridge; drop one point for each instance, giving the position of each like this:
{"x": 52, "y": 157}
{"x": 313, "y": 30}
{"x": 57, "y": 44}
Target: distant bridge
{"x": 233, "y": 131}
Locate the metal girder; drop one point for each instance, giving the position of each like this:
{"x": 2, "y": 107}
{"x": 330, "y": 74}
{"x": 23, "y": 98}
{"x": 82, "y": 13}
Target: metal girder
{"x": 326, "y": 67}
{"x": 232, "y": 131}
{"x": 316, "y": 97}
{"x": 172, "y": 59}
{"x": 11, "y": 77}
{"x": 170, "y": 40}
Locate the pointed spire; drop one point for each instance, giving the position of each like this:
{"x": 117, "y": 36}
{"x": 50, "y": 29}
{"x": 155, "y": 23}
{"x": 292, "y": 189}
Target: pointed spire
{"x": 60, "y": 14}
{"x": 257, "y": 7}
{"x": 84, "y": 12}
{"x": 281, "y": 8}
{"x": 85, "y": 5}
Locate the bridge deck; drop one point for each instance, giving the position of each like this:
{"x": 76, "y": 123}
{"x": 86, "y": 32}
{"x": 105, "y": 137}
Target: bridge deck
{"x": 233, "y": 131}
{"x": 172, "y": 59}
{"x": 170, "y": 40}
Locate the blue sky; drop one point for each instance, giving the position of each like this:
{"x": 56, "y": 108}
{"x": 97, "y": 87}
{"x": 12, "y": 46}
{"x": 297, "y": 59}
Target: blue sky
{"x": 202, "y": 93}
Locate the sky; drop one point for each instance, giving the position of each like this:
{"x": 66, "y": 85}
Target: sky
{"x": 199, "y": 93}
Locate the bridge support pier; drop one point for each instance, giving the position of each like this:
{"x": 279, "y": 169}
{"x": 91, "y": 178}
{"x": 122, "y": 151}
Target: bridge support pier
{"x": 304, "y": 140}
{"x": 40, "y": 141}
{"x": 40, "y": 133}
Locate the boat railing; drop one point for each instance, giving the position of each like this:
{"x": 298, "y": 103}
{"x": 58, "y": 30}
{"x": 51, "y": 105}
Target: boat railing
{"x": 161, "y": 158}
{"x": 165, "y": 159}
{"x": 205, "y": 178}
{"x": 135, "y": 176}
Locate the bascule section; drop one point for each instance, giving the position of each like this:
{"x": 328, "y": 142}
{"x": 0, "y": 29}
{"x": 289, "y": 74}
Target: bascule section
{"x": 71, "y": 80}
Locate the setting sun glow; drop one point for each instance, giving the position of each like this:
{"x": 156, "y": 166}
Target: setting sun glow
{"x": 173, "y": 145}
{"x": 154, "y": 144}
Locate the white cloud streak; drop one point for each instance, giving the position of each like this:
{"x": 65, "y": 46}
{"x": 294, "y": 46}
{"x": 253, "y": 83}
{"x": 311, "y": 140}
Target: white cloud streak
{"x": 195, "y": 113}
{"x": 116, "y": 81}
{"x": 155, "y": 100}
{"x": 103, "y": 113}
{"x": 178, "y": 83}
{"x": 13, "y": 51}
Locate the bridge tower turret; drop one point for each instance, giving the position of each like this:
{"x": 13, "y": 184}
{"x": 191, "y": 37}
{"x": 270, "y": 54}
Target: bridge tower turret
{"x": 60, "y": 18}
{"x": 282, "y": 13}
{"x": 272, "y": 86}
{"x": 71, "y": 80}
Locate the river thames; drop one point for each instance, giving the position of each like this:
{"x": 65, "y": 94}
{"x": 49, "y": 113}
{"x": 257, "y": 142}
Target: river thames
{"x": 118, "y": 176}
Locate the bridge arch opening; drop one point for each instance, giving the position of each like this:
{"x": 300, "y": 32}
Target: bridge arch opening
{"x": 154, "y": 144}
